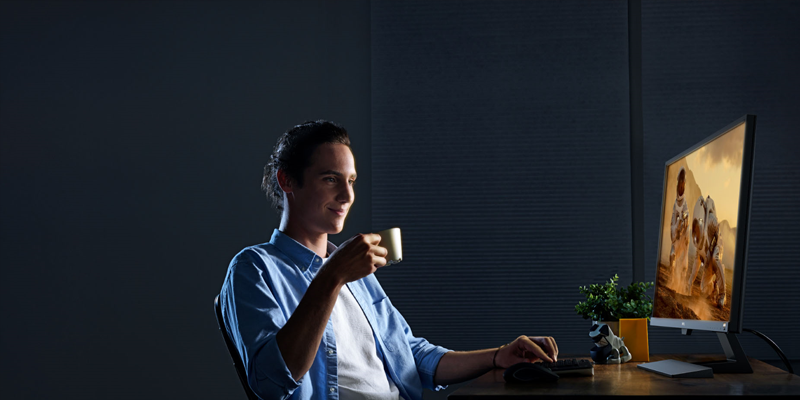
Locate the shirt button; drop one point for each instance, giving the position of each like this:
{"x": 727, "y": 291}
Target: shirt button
{"x": 333, "y": 390}
{"x": 319, "y": 259}
{"x": 330, "y": 351}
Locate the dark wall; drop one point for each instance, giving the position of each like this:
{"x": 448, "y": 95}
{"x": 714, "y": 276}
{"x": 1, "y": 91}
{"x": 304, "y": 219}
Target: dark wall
{"x": 132, "y": 141}
{"x": 501, "y": 150}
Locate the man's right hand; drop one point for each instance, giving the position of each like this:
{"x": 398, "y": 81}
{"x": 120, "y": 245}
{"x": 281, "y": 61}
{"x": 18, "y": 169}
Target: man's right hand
{"x": 356, "y": 258}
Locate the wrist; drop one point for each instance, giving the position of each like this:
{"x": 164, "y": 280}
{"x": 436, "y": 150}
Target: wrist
{"x": 328, "y": 280}
{"x": 494, "y": 358}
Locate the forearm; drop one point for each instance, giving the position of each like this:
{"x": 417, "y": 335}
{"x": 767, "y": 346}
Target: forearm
{"x": 300, "y": 338}
{"x": 460, "y": 366}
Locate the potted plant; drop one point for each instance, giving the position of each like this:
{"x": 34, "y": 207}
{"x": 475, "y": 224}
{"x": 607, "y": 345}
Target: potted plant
{"x": 608, "y": 303}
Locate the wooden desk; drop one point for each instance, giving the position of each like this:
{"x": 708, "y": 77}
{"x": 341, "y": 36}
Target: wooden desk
{"x": 626, "y": 379}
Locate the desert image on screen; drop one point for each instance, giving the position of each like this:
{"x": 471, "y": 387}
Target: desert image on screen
{"x": 698, "y": 236}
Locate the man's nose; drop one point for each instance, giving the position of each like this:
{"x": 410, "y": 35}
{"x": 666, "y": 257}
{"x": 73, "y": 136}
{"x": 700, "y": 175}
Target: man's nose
{"x": 347, "y": 195}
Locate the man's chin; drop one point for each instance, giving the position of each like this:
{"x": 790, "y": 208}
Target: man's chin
{"x": 336, "y": 229}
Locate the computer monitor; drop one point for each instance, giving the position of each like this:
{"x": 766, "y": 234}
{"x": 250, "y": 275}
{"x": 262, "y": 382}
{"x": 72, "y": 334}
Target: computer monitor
{"x": 702, "y": 246}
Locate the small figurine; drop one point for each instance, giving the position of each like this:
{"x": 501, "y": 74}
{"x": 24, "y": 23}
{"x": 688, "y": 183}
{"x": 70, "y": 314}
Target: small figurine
{"x": 608, "y": 348}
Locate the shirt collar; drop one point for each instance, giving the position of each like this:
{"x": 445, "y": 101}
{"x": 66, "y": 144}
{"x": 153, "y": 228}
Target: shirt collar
{"x": 302, "y": 256}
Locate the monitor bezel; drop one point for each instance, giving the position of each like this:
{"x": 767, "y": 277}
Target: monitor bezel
{"x": 734, "y": 325}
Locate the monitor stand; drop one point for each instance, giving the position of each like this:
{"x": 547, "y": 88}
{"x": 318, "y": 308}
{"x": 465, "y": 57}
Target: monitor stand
{"x": 735, "y": 362}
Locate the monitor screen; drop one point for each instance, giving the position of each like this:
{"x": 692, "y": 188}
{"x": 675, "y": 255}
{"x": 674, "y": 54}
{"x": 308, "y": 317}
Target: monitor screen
{"x": 700, "y": 235}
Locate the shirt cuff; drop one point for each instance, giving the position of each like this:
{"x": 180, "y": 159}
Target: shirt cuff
{"x": 427, "y": 367}
{"x": 272, "y": 372}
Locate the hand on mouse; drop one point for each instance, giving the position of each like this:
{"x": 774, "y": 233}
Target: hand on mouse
{"x": 527, "y": 349}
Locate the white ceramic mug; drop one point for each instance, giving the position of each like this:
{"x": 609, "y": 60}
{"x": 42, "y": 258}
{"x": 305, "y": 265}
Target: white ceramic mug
{"x": 390, "y": 239}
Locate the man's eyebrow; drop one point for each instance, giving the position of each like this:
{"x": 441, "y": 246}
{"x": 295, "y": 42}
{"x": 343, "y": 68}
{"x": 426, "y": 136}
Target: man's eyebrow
{"x": 337, "y": 173}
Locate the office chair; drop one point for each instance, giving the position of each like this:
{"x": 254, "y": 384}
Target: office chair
{"x": 237, "y": 361}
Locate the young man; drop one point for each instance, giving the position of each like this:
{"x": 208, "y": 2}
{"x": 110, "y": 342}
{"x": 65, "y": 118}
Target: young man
{"x": 309, "y": 318}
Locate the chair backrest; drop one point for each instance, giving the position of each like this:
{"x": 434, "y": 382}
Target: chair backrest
{"x": 237, "y": 361}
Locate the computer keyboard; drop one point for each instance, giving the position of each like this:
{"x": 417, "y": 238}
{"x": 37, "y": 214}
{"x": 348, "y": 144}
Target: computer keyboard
{"x": 571, "y": 367}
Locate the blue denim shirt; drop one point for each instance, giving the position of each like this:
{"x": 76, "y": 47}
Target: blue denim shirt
{"x": 263, "y": 287}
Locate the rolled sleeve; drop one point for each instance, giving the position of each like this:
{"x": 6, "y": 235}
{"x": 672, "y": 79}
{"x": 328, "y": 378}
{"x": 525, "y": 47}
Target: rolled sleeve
{"x": 247, "y": 297}
{"x": 426, "y": 355}
{"x": 273, "y": 378}
{"x": 427, "y": 358}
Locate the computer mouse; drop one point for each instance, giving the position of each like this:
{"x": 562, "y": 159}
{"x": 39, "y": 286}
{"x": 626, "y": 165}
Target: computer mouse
{"x": 528, "y": 372}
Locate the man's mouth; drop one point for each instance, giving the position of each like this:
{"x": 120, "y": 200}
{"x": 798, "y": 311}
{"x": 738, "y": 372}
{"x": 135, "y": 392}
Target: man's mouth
{"x": 338, "y": 212}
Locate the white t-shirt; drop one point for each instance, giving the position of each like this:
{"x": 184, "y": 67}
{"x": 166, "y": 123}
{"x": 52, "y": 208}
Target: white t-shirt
{"x": 361, "y": 373}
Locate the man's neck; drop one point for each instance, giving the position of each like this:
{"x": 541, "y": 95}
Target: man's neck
{"x": 316, "y": 242}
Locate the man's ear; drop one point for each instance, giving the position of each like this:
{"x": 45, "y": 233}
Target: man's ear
{"x": 285, "y": 181}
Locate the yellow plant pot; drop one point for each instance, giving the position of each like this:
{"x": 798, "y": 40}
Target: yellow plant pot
{"x": 634, "y": 334}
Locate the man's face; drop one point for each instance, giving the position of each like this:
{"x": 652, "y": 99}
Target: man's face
{"x": 681, "y": 187}
{"x": 327, "y": 188}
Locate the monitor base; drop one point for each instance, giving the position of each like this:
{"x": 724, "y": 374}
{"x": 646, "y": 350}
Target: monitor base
{"x": 678, "y": 369}
{"x": 735, "y": 363}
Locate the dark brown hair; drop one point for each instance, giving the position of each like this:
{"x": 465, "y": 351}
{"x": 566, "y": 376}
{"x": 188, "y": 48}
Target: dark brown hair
{"x": 293, "y": 154}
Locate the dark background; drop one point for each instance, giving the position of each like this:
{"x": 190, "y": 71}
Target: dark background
{"x": 495, "y": 134}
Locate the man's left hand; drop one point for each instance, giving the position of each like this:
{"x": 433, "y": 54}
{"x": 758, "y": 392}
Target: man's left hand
{"x": 527, "y": 349}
